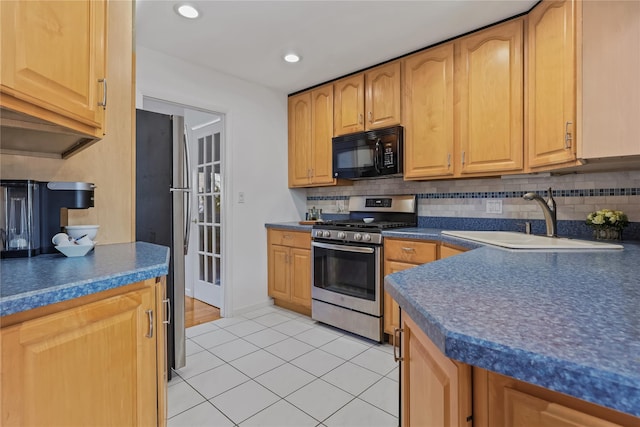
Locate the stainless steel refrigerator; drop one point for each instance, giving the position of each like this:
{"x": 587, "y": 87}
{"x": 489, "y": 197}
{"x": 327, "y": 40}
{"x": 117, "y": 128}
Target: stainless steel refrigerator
{"x": 162, "y": 208}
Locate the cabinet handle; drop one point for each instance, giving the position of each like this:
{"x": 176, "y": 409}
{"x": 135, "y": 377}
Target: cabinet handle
{"x": 448, "y": 160}
{"x": 412, "y": 250}
{"x": 103, "y": 103}
{"x": 168, "y": 317}
{"x": 311, "y": 172}
{"x": 287, "y": 236}
{"x": 150, "y": 314}
{"x": 396, "y": 344}
{"x": 370, "y": 117}
{"x": 360, "y": 118}
{"x": 567, "y": 135}
{"x": 463, "y": 158}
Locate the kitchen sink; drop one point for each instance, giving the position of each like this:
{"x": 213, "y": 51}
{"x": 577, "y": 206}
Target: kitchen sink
{"x": 513, "y": 240}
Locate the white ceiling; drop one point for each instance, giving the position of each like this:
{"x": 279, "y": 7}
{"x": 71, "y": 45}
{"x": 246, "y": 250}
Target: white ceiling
{"x": 247, "y": 39}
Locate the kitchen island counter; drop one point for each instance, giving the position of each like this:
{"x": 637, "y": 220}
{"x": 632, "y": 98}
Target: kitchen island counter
{"x": 29, "y": 283}
{"x": 566, "y": 321}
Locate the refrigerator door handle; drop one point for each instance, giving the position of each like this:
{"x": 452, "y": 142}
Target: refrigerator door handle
{"x": 187, "y": 219}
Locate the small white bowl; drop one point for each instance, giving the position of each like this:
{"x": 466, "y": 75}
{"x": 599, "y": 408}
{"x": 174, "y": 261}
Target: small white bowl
{"x": 75, "y": 250}
{"x": 367, "y": 220}
{"x": 77, "y": 231}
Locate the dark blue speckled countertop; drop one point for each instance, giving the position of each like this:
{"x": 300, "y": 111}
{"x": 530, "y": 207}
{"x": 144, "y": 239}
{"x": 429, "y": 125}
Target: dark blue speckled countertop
{"x": 27, "y": 283}
{"x": 567, "y": 321}
{"x": 291, "y": 225}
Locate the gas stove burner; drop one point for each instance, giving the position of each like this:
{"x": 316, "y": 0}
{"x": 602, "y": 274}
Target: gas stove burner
{"x": 387, "y": 212}
{"x": 375, "y": 225}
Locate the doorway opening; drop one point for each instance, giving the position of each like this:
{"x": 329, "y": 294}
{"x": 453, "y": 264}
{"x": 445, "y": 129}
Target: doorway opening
{"x": 204, "y": 261}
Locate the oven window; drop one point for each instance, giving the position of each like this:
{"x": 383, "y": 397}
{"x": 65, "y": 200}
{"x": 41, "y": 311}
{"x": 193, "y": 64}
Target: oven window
{"x": 343, "y": 272}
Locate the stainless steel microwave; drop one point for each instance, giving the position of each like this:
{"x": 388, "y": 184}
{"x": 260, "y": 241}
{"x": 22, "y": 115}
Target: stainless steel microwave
{"x": 372, "y": 154}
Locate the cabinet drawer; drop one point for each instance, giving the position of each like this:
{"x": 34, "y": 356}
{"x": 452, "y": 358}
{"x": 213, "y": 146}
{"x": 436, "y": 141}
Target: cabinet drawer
{"x": 410, "y": 251}
{"x": 296, "y": 239}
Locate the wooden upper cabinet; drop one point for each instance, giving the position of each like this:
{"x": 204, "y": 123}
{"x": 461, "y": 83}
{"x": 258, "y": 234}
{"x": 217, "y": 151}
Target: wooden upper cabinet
{"x": 551, "y": 84}
{"x": 610, "y": 70}
{"x": 490, "y": 87}
{"x": 427, "y": 106}
{"x": 53, "y": 62}
{"x": 299, "y": 139}
{"x": 348, "y": 112}
{"x": 382, "y": 96}
{"x": 321, "y": 135}
{"x": 310, "y": 133}
{"x": 370, "y": 100}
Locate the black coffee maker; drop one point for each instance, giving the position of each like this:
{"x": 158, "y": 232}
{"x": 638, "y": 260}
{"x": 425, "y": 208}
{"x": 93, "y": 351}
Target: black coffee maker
{"x": 34, "y": 211}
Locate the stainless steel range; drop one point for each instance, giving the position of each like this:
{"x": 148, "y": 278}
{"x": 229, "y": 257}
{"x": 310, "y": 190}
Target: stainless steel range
{"x": 347, "y": 268}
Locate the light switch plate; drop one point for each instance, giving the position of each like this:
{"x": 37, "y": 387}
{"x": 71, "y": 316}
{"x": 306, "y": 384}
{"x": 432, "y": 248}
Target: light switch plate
{"x": 494, "y": 206}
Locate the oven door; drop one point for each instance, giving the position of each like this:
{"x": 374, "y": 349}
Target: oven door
{"x": 348, "y": 275}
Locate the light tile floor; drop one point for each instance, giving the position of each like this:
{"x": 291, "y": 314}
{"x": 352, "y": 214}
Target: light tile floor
{"x": 274, "y": 367}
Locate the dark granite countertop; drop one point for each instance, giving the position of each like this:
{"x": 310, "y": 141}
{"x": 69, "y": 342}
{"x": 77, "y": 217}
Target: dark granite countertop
{"x": 566, "y": 321}
{"x": 291, "y": 225}
{"x": 27, "y": 283}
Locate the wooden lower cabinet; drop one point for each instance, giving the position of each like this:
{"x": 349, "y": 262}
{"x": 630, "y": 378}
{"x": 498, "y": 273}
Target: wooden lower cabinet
{"x": 94, "y": 364}
{"x": 505, "y": 401}
{"x": 447, "y": 251}
{"x": 401, "y": 254}
{"x": 434, "y": 390}
{"x": 289, "y": 275}
{"x": 438, "y": 391}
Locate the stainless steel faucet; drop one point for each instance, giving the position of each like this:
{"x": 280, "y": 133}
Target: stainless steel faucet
{"x": 548, "y": 209}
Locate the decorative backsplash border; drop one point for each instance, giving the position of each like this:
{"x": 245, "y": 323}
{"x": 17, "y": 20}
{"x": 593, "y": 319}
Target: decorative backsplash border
{"x": 591, "y": 192}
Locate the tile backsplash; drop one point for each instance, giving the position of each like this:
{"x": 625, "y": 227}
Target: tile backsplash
{"x": 458, "y": 201}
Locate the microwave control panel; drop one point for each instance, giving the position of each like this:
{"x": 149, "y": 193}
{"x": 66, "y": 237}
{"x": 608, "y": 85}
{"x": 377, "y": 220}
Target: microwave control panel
{"x": 389, "y": 158}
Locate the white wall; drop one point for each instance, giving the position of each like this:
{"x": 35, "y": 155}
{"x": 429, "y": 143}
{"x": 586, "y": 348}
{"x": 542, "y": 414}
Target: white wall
{"x": 255, "y": 160}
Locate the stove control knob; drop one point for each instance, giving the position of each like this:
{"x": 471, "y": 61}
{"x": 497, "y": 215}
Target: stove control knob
{"x": 341, "y": 235}
{"x": 366, "y": 237}
{"x": 358, "y": 236}
{"x": 326, "y": 234}
{"x": 318, "y": 233}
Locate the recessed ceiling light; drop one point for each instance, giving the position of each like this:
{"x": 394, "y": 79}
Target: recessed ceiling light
{"x": 291, "y": 57}
{"x": 187, "y": 11}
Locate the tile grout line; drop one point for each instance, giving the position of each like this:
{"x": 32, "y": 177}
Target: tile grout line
{"x": 285, "y": 362}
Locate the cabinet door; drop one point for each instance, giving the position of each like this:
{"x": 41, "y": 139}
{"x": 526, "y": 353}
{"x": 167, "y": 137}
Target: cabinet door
{"x": 91, "y": 365}
{"x": 434, "y": 390}
{"x": 162, "y": 310}
{"x": 490, "y": 86}
{"x": 299, "y": 139}
{"x": 447, "y": 251}
{"x": 410, "y": 251}
{"x": 53, "y": 56}
{"x": 279, "y": 272}
{"x": 321, "y": 134}
{"x": 610, "y": 70}
{"x": 428, "y": 113}
{"x": 551, "y": 87}
{"x": 382, "y": 96}
{"x": 300, "y": 265}
{"x": 504, "y": 401}
{"x": 348, "y": 110}
{"x": 391, "y": 308}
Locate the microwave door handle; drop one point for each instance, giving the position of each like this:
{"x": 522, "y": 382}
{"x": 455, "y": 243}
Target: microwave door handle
{"x": 376, "y": 157}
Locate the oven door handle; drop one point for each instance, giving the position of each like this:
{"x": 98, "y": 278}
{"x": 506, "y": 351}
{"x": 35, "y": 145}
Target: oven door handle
{"x": 344, "y": 248}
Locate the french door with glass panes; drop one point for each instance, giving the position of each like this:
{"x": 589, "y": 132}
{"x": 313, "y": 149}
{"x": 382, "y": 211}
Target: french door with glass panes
{"x": 205, "y": 249}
